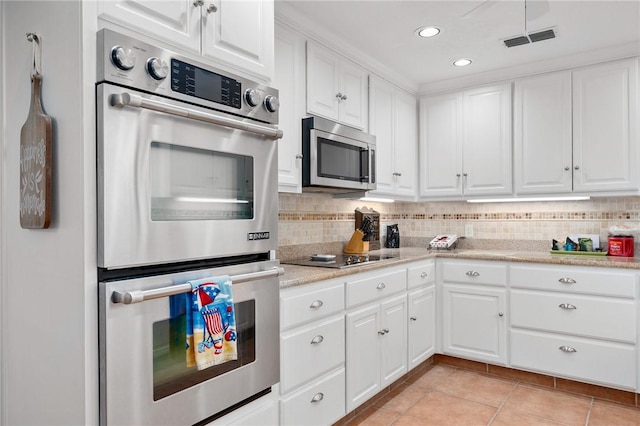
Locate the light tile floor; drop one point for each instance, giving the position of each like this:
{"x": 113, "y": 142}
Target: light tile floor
{"x": 446, "y": 395}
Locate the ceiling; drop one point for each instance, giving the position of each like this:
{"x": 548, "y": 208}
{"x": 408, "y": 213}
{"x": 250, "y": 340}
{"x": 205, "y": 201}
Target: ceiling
{"x": 385, "y": 30}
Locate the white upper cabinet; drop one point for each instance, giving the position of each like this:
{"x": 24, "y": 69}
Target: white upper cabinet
{"x": 577, "y": 131}
{"x": 465, "y": 143}
{"x": 605, "y": 127}
{"x": 336, "y": 87}
{"x": 542, "y": 134}
{"x": 289, "y": 80}
{"x": 237, "y": 34}
{"x": 393, "y": 120}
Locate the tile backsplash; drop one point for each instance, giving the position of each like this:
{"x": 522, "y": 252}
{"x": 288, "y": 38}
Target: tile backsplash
{"x": 321, "y": 219}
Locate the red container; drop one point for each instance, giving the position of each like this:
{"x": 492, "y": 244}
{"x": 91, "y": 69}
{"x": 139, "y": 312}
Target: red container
{"x": 621, "y": 246}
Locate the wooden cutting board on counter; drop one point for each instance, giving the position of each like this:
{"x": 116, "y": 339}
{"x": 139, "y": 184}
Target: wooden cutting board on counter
{"x": 35, "y": 163}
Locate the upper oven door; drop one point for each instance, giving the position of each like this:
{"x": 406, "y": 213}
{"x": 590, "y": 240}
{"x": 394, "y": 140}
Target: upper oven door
{"x": 178, "y": 182}
{"x": 341, "y": 162}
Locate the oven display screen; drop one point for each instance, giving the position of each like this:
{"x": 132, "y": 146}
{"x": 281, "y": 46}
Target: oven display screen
{"x": 200, "y": 83}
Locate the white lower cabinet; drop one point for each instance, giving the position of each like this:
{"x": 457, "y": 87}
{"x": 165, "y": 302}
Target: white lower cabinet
{"x": 312, "y": 354}
{"x": 474, "y": 310}
{"x": 578, "y": 323}
{"x": 421, "y": 333}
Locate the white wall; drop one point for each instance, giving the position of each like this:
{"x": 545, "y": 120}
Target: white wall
{"x": 48, "y": 289}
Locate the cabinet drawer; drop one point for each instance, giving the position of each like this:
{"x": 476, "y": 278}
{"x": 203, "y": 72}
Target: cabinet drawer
{"x": 487, "y": 273}
{"x": 319, "y": 404}
{"x": 421, "y": 275}
{"x": 575, "y": 280}
{"x": 310, "y": 303}
{"x": 602, "y": 362}
{"x": 376, "y": 287}
{"x": 309, "y": 352}
{"x": 590, "y": 316}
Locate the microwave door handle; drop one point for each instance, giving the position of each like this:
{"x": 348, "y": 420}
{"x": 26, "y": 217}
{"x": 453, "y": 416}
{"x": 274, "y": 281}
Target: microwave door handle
{"x": 365, "y": 165}
{"x": 372, "y": 165}
{"x": 138, "y": 296}
{"x": 136, "y": 101}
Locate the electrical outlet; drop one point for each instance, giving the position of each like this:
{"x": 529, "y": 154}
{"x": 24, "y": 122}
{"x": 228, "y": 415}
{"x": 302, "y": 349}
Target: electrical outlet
{"x": 468, "y": 230}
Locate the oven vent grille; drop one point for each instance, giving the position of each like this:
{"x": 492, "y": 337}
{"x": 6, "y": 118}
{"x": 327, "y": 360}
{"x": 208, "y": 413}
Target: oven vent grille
{"x": 530, "y": 38}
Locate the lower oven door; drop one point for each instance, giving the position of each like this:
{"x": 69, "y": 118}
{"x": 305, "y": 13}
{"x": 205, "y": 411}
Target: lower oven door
{"x": 144, "y": 379}
{"x": 178, "y": 182}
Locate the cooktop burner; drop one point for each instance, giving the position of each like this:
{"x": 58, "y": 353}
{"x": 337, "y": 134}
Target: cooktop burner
{"x": 338, "y": 260}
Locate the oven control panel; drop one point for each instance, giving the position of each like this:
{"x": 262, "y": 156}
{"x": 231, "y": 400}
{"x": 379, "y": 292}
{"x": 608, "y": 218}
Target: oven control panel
{"x": 129, "y": 62}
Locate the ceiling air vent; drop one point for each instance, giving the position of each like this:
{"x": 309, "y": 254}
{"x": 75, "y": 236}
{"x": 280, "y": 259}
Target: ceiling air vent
{"x": 530, "y": 38}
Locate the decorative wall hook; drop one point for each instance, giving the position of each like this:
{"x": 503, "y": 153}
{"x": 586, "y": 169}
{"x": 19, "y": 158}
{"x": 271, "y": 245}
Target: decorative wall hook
{"x": 36, "y": 67}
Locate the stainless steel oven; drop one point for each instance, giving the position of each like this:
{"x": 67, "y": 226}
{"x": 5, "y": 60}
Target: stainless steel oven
{"x": 187, "y": 189}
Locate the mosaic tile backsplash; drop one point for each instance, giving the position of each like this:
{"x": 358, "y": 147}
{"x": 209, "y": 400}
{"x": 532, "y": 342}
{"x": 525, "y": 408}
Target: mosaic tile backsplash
{"x": 321, "y": 219}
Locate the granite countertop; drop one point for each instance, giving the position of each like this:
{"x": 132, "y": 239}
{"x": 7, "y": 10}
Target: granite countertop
{"x": 298, "y": 275}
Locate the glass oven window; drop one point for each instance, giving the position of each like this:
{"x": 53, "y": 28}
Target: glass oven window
{"x": 339, "y": 160}
{"x": 170, "y": 371}
{"x": 198, "y": 184}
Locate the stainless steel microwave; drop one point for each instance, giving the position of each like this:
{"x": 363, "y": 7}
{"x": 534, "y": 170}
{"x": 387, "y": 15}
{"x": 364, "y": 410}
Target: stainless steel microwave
{"x": 337, "y": 158}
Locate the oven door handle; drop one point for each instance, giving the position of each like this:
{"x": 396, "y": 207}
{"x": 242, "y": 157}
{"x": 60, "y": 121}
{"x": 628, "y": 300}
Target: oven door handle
{"x": 138, "y": 296}
{"x": 136, "y": 101}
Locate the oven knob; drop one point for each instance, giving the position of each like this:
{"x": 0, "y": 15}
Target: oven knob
{"x": 123, "y": 58}
{"x": 271, "y": 103}
{"x": 157, "y": 68}
{"x": 252, "y": 97}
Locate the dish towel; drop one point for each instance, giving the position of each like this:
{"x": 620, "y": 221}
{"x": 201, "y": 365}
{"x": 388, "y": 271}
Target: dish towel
{"x": 211, "y": 327}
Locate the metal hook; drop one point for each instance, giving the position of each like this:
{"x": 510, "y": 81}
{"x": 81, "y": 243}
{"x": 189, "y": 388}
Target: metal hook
{"x": 37, "y": 53}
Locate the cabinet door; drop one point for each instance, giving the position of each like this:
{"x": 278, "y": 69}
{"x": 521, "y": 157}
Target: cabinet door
{"x": 542, "y": 134}
{"x": 406, "y": 144}
{"x": 353, "y": 85}
{"x": 176, "y": 22}
{"x": 474, "y": 323}
{"x": 393, "y": 348}
{"x": 289, "y": 79}
{"x": 363, "y": 357}
{"x": 240, "y": 34}
{"x": 422, "y": 325}
{"x": 381, "y": 125}
{"x": 322, "y": 82}
{"x": 441, "y": 145}
{"x": 605, "y": 127}
{"x": 487, "y": 141}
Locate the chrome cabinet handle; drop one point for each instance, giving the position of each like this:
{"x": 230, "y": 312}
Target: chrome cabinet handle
{"x": 340, "y": 96}
{"x": 567, "y": 168}
{"x": 316, "y": 304}
{"x": 413, "y": 319}
{"x": 567, "y": 349}
{"x": 464, "y": 174}
{"x": 198, "y": 3}
{"x": 317, "y": 397}
{"x": 397, "y": 174}
{"x": 473, "y": 273}
{"x": 318, "y": 339}
{"x": 500, "y": 314}
{"x": 386, "y": 330}
{"x": 381, "y": 332}
{"x": 299, "y": 156}
{"x": 458, "y": 175}
{"x": 423, "y": 275}
{"x": 381, "y": 286}
{"x": 567, "y": 281}
{"x": 212, "y": 8}
{"x": 577, "y": 167}
{"x": 567, "y": 306}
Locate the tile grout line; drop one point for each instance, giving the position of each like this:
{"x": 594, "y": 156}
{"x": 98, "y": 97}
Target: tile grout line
{"x": 589, "y": 412}
{"x": 504, "y": 401}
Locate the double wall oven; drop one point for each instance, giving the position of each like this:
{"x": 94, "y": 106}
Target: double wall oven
{"x": 187, "y": 189}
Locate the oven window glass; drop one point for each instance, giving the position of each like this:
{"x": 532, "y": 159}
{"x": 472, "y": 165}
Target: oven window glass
{"x": 170, "y": 371}
{"x": 198, "y": 184}
{"x": 339, "y": 160}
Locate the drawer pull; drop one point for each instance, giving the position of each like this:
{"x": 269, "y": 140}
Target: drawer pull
{"x": 316, "y": 304}
{"x": 317, "y": 339}
{"x": 567, "y": 281}
{"x": 381, "y": 286}
{"x": 567, "y": 306}
{"x": 568, "y": 349}
{"x": 423, "y": 275}
{"x": 386, "y": 330}
{"x": 381, "y": 332}
{"x": 317, "y": 397}
{"x": 473, "y": 273}
{"x": 500, "y": 314}
{"x": 413, "y": 319}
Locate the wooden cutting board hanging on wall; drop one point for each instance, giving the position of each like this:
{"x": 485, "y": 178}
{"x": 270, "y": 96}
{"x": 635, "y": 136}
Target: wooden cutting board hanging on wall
{"x": 35, "y": 155}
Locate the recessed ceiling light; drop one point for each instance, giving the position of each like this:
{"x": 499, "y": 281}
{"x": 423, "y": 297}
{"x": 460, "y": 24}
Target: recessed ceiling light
{"x": 462, "y": 62}
{"x": 428, "y": 31}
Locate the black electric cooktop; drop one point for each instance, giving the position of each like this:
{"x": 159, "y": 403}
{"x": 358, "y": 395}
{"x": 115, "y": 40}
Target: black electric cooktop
{"x": 338, "y": 260}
